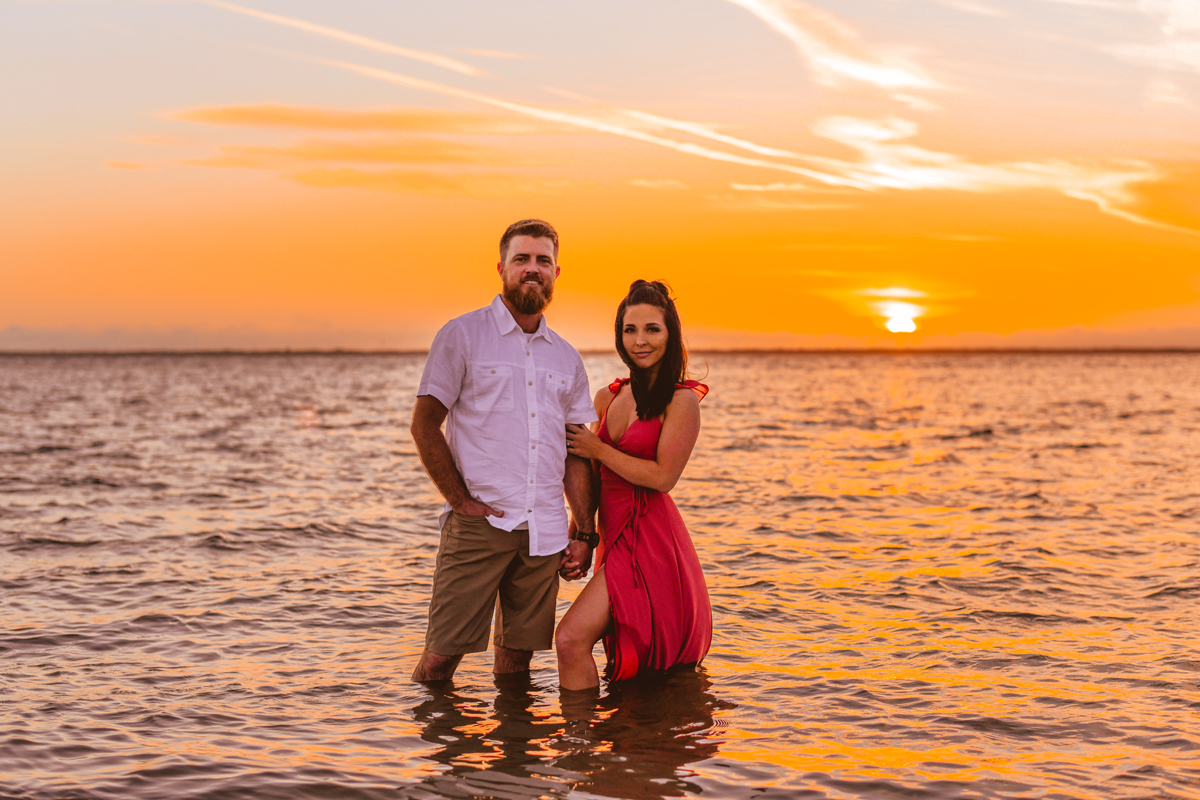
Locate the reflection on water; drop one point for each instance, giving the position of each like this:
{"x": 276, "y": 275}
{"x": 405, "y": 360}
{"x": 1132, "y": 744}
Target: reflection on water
{"x": 633, "y": 742}
{"x": 931, "y": 576}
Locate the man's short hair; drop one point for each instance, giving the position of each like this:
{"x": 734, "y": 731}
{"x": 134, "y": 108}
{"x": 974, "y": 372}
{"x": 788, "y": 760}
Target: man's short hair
{"x": 537, "y": 228}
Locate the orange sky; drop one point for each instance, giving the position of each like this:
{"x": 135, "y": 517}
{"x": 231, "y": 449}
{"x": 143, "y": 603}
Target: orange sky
{"x": 312, "y": 174}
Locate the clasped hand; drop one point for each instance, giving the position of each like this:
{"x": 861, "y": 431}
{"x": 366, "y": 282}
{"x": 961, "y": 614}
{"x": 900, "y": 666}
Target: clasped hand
{"x": 582, "y": 442}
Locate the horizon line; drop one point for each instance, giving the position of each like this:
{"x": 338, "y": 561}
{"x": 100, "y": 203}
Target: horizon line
{"x": 287, "y": 351}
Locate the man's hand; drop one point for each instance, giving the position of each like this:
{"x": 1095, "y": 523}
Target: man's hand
{"x": 473, "y": 508}
{"x": 576, "y": 560}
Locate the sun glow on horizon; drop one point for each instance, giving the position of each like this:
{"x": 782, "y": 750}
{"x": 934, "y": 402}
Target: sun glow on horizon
{"x": 901, "y": 325}
{"x": 347, "y": 191}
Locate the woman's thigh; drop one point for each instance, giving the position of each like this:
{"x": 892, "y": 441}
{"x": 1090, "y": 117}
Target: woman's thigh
{"x": 588, "y": 618}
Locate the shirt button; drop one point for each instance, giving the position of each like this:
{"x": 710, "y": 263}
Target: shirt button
{"x": 527, "y": 352}
{"x": 493, "y": 372}
{"x": 534, "y": 414}
{"x": 531, "y": 482}
{"x": 533, "y": 447}
{"x": 530, "y": 510}
{"x": 531, "y": 383}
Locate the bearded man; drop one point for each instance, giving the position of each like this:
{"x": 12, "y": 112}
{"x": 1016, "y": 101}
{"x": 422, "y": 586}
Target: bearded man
{"x": 506, "y": 387}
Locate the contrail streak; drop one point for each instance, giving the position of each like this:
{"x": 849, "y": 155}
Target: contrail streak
{"x": 593, "y": 125}
{"x": 830, "y": 47}
{"x": 696, "y": 129}
{"x": 351, "y": 38}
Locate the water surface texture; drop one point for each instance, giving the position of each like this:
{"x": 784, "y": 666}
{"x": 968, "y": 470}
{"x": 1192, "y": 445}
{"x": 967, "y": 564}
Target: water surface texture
{"x": 933, "y": 576}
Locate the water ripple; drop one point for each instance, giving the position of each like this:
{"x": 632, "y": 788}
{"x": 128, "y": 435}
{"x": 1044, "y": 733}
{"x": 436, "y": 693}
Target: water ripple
{"x": 932, "y": 576}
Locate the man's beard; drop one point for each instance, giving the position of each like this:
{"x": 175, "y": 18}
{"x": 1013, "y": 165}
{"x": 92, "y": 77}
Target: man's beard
{"x": 528, "y": 302}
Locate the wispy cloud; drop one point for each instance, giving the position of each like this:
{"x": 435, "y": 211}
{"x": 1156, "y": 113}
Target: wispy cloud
{"x": 422, "y": 152}
{"x": 504, "y": 55}
{"x": 587, "y": 123}
{"x": 894, "y": 302}
{"x": 1170, "y": 55}
{"x": 660, "y": 184}
{"x": 758, "y": 202}
{"x": 971, "y": 7}
{"x": 893, "y": 292}
{"x": 779, "y": 187}
{"x": 1164, "y": 92}
{"x": 833, "y": 50}
{"x": 1179, "y": 21}
{"x": 1111, "y": 5}
{"x": 436, "y": 60}
{"x": 422, "y": 120}
{"x": 836, "y": 53}
{"x": 887, "y": 162}
{"x": 706, "y": 132}
{"x": 429, "y": 182}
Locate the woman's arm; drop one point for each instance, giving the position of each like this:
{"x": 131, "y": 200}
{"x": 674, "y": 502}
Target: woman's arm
{"x": 680, "y": 428}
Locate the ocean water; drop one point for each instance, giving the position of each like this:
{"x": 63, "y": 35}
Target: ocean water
{"x": 932, "y": 576}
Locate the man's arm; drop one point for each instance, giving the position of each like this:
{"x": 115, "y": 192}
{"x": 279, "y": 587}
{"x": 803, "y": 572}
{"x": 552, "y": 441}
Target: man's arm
{"x": 428, "y": 416}
{"x": 577, "y": 481}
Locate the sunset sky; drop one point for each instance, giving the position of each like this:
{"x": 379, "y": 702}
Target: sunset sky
{"x": 321, "y": 173}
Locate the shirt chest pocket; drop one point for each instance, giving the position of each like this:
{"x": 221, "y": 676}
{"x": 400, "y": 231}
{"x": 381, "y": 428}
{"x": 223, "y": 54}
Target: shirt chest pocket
{"x": 554, "y": 392}
{"x": 493, "y": 388}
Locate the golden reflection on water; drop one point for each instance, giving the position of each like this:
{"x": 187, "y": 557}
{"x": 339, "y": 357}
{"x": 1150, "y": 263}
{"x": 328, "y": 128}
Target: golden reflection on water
{"x": 969, "y": 576}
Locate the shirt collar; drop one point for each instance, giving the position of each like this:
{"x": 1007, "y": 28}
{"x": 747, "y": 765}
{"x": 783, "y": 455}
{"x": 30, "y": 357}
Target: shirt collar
{"x": 506, "y": 324}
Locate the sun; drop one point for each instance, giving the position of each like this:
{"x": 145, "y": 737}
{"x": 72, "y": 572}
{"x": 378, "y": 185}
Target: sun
{"x": 901, "y": 324}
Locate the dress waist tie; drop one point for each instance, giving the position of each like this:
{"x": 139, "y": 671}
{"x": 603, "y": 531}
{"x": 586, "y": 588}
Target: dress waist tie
{"x": 641, "y": 498}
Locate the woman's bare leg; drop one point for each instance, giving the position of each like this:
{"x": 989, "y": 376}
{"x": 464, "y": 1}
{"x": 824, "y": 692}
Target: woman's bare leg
{"x": 581, "y": 627}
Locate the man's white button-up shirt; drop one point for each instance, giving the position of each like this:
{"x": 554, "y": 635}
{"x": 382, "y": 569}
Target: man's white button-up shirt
{"x": 510, "y": 396}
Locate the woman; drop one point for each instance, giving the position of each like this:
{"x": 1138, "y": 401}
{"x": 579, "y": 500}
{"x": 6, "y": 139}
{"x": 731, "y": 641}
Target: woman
{"x": 647, "y": 599}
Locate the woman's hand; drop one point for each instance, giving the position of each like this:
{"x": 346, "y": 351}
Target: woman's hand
{"x": 582, "y": 442}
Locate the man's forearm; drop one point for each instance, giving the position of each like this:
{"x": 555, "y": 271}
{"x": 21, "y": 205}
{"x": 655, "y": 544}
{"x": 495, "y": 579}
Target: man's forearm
{"x": 439, "y": 463}
{"x": 577, "y": 481}
{"x": 434, "y": 451}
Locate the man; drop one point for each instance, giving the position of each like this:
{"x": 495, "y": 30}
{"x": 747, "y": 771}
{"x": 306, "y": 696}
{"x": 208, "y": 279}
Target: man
{"x": 506, "y": 386}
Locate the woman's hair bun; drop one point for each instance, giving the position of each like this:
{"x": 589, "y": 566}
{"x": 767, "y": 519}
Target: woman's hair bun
{"x": 657, "y": 286}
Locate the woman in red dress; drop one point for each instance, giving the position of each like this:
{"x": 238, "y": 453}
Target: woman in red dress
{"x": 647, "y": 599}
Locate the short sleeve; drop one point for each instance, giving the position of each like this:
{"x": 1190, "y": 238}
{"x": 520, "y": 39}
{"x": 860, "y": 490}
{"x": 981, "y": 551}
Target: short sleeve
{"x": 446, "y": 367}
{"x": 581, "y": 410}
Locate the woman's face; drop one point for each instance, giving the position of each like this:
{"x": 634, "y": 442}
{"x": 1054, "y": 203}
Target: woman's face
{"x": 644, "y": 334}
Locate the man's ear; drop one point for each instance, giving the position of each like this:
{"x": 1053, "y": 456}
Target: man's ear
{"x": 499, "y": 267}
{"x": 557, "y": 269}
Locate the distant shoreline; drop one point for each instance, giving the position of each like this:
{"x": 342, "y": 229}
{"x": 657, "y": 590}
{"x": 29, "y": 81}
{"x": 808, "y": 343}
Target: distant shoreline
{"x": 696, "y": 352}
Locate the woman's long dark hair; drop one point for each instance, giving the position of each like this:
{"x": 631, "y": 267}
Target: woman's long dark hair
{"x": 652, "y": 401}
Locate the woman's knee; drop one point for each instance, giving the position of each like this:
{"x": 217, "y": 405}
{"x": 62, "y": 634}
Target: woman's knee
{"x": 570, "y": 640}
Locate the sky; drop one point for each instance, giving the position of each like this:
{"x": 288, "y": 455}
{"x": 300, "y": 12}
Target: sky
{"x": 336, "y": 174}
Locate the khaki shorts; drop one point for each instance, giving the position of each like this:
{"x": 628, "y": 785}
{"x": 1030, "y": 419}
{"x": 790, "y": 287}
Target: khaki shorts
{"x": 476, "y": 563}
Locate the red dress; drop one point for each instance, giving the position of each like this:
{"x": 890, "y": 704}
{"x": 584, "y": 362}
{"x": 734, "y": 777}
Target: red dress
{"x": 656, "y": 592}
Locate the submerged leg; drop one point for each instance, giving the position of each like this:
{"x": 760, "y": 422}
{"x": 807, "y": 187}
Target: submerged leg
{"x": 585, "y": 622}
{"x": 433, "y": 667}
{"x": 509, "y": 661}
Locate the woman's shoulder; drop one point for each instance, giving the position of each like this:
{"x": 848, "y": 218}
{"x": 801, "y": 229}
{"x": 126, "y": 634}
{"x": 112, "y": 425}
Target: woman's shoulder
{"x": 686, "y": 402}
{"x": 606, "y": 394}
{"x": 696, "y": 389}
